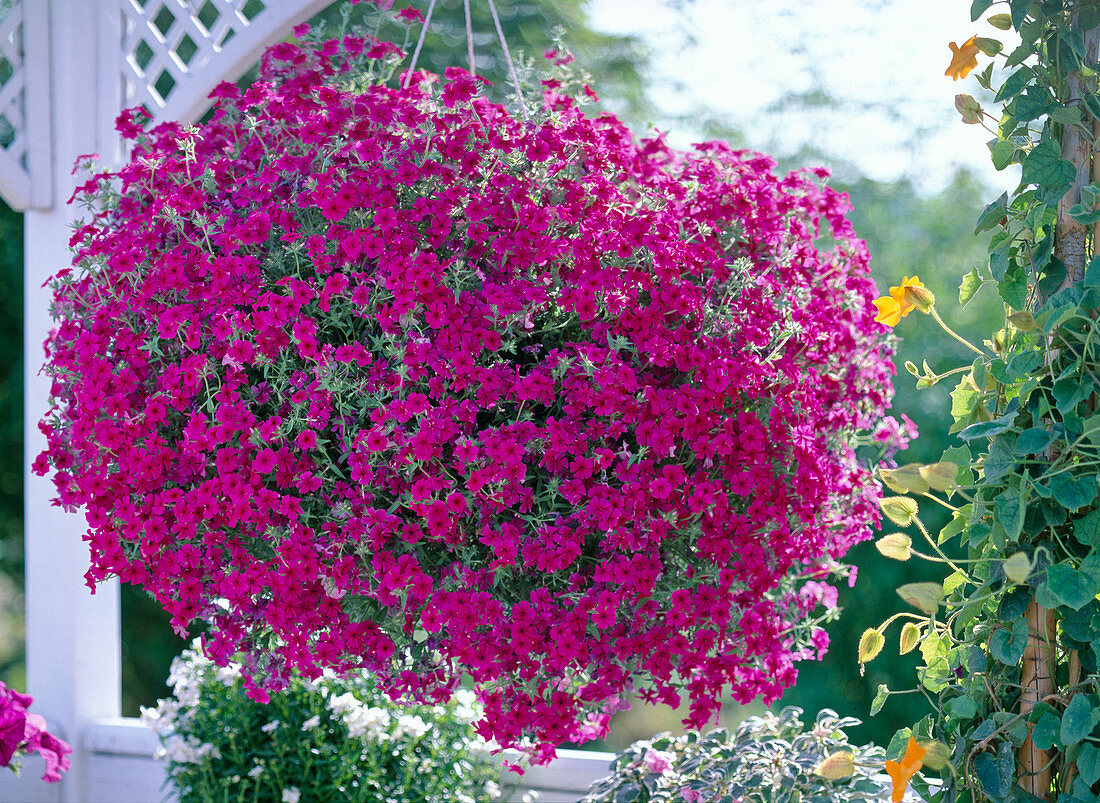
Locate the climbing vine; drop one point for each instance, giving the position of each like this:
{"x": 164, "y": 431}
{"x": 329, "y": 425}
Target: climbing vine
{"x": 1010, "y": 638}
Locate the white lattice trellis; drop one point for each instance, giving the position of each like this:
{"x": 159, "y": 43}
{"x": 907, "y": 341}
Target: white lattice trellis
{"x": 24, "y": 115}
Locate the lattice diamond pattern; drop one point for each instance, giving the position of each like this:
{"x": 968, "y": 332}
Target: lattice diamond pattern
{"x": 165, "y": 40}
{"x": 12, "y": 87}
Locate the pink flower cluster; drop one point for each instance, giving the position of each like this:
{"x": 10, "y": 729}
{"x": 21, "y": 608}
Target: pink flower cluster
{"x": 367, "y": 376}
{"x": 24, "y": 732}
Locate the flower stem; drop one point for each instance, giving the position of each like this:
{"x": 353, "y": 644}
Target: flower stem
{"x": 954, "y": 334}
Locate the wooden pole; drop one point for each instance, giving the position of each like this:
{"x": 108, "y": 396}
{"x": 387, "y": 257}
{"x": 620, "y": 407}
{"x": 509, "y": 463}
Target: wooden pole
{"x": 1071, "y": 246}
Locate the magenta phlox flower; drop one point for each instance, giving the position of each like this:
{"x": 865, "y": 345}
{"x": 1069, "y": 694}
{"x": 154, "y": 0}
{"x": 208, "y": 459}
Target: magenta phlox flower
{"x": 366, "y": 375}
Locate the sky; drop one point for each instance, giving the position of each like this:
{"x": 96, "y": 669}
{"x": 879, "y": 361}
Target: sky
{"x": 884, "y": 60}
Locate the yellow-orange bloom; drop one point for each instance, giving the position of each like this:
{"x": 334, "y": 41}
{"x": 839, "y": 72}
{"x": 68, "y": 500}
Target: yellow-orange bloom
{"x": 964, "y": 58}
{"x": 894, "y": 307}
{"x": 902, "y": 771}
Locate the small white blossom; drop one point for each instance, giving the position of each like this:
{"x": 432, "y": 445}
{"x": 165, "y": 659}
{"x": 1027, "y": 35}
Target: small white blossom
{"x": 493, "y": 790}
{"x": 530, "y": 797}
{"x": 410, "y": 725}
{"x": 270, "y": 726}
{"x": 256, "y": 771}
{"x": 291, "y": 795}
{"x": 311, "y": 723}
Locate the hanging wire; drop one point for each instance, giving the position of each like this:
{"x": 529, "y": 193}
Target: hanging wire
{"x": 508, "y": 58}
{"x": 420, "y": 44}
{"x": 469, "y": 38}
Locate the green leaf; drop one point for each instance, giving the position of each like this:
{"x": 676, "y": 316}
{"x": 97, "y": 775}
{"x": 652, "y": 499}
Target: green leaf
{"x": 1067, "y": 115}
{"x": 962, "y": 707}
{"x": 1003, "y": 153}
{"x": 1078, "y": 720}
{"x": 1071, "y": 391}
{"x": 1013, "y": 288}
{"x": 1087, "y": 528}
{"x": 1092, "y": 273}
{"x": 1045, "y": 167}
{"x": 998, "y": 262}
{"x": 995, "y": 212}
{"x": 1031, "y": 105}
{"x": 960, "y": 456}
{"x": 971, "y": 284}
{"x": 1088, "y": 763}
{"x": 1014, "y": 84}
{"x": 964, "y": 398}
{"x": 1071, "y": 492}
{"x": 1045, "y": 732}
{"x": 987, "y": 429}
{"x": 1010, "y": 507}
{"x": 1071, "y": 587}
{"x": 1000, "y": 459}
{"x": 1078, "y": 625}
{"x": 995, "y": 773}
{"x": 1033, "y": 441}
{"x": 1085, "y": 215}
{"x": 979, "y": 7}
{"x": 1007, "y": 644}
{"x": 1018, "y": 8}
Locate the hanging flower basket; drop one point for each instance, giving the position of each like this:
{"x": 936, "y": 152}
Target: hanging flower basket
{"x": 383, "y": 377}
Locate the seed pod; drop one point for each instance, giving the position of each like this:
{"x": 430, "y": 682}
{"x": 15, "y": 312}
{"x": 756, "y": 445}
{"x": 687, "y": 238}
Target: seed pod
{"x": 895, "y": 546}
{"x": 910, "y": 635}
{"x": 923, "y": 596}
{"x": 940, "y": 476}
{"x": 839, "y": 765}
{"x": 870, "y": 645}
{"x": 904, "y": 480}
{"x": 899, "y": 509}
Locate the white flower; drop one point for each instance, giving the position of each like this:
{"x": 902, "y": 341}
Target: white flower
{"x": 256, "y": 771}
{"x": 291, "y": 795}
{"x": 311, "y": 723}
{"x": 530, "y": 797}
{"x": 467, "y": 708}
{"x": 493, "y": 790}
{"x": 410, "y": 725}
{"x": 270, "y": 726}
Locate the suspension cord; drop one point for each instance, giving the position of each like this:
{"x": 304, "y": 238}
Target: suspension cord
{"x": 508, "y": 58}
{"x": 469, "y": 38}
{"x": 420, "y": 44}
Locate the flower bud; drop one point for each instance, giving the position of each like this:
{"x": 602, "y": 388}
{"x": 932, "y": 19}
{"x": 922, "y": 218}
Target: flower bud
{"x": 1002, "y": 21}
{"x": 920, "y": 297}
{"x": 910, "y": 635}
{"x": 839, "y": 765}
{"x": 969, "y": 108}
{"x": 991, "y": 47}
{"x": 1023, "y": 320}
{"x": 895, "y": 546}
{"x": 936, "y": 755}
{"x": 904, "y": 480}
{"x": 911, "y": 368}
{"x": 870, "y": 645}
{"x": 1017, "y": 567}
{"x": 940, "y": 476}
{"x": 924, "y": 596}
{"x": 899, "y": 509}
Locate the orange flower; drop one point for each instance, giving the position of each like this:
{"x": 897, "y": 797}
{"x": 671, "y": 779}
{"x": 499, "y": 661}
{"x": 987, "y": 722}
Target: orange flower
{"x": 901, "y": 773}
{"x": 894, "y": 307}
{"x": 963, "y": 58}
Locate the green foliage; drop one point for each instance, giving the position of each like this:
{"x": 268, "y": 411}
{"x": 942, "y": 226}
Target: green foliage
{"x": 768, "y": 759}
{"x": 331, "y": 739}
{"x": 1025, "y": 524}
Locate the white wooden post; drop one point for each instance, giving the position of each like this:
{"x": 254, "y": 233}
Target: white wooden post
{"x": 73, "y": 645}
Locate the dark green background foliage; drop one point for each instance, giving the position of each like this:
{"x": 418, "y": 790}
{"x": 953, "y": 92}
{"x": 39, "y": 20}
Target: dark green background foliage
{"x": 906, "y": 233}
